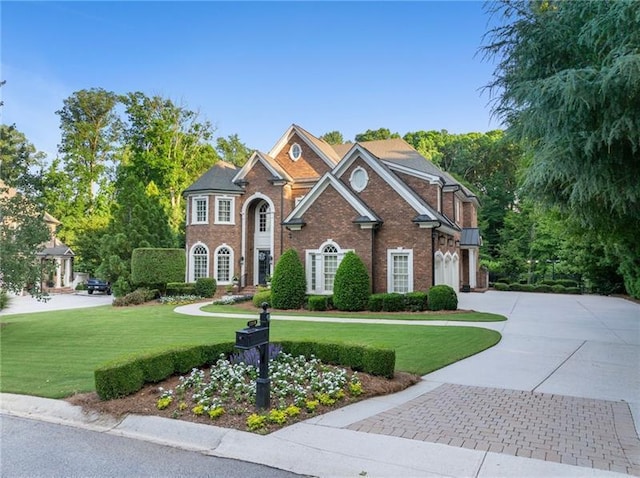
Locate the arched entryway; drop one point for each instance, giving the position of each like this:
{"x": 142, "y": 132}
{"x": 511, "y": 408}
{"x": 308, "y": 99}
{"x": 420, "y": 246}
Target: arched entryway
{"x": 257, "y": 240}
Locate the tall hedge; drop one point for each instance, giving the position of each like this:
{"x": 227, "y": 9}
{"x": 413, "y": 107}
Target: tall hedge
{"x": 156, "y": 267}
{"x": 351, "y": 286}
{"x": 288, "y": 284}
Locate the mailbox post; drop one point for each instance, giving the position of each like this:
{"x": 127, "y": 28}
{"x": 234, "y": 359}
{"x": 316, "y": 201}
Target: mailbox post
{"x": 258, "y": 336}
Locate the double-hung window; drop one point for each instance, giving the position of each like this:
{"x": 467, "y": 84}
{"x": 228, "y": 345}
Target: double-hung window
{"x": 224, "y": 210}
{"x": 400, "y": 270}
{"x": 200, "y": 210}
{"x": 223, "y": 265}
{"x": 322, "y": 265}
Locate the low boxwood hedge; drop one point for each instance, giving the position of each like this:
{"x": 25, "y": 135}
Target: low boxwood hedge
{"x": 127, "y": 375}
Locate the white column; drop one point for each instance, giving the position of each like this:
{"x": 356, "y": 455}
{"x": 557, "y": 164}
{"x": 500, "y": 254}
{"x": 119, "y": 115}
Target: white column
{"x": 472, "y": 268}
{"x": 58, "y": 272}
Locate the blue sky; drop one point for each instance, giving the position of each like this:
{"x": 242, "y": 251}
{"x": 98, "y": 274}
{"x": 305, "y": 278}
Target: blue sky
{"x": 253, "y": 68}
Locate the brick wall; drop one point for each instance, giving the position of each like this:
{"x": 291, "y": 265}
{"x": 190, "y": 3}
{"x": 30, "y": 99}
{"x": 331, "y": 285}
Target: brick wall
{"x": 309, "y": 165}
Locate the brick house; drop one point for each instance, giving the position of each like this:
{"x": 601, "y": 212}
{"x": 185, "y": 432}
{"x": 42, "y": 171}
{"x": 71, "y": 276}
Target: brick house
{"x": 412, "y": 224}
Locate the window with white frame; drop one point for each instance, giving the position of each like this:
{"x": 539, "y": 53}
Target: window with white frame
{"x": 321, "y": 266}
{"x": 200, "y": 210}
{"x": 223, "y": 264}
{"x": 457, "y": 210}
{"x": 199, "y": 262}
{"x": 224, "y": 210}
{"x": 400, "y": 270}
{"x": 263, "y": 217}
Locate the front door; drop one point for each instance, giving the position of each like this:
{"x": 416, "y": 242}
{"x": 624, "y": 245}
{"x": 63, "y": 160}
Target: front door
{"x": 264, "y": 262}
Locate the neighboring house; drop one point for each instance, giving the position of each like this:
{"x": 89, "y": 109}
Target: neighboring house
{"x": 60, "y": 254}
{"x": 52, "y": 250}
{"x": 412, "y": 224}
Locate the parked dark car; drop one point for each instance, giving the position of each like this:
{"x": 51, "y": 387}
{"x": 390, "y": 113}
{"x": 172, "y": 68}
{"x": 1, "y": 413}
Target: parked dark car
{"x": 98, "y": 285}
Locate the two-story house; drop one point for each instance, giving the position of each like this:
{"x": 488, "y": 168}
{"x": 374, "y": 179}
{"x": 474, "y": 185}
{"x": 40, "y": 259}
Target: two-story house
{"x": 412, "y": 224}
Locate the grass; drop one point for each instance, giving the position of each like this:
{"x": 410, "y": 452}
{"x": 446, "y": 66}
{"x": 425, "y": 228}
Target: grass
{"x": 462, "y": 316}
{"x": 54, "y": 354}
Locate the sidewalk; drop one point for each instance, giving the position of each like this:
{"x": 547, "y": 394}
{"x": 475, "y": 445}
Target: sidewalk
{"x": 569, "y": 360}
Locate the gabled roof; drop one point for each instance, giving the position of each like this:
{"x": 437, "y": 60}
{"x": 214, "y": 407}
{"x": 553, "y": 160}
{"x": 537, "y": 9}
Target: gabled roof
{"x": 50, "y": 219}
{"x": 319, "y": 146}
{"x": 415, "y": 201}
{"x": 218, "y": 178}
{"x": 364, "y": 213}
{"x": 59, "y": 249}
{"x": 268, "y": 162}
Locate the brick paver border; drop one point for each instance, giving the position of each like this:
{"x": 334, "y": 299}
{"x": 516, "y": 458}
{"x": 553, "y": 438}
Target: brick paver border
{"x": 577, "y": 431}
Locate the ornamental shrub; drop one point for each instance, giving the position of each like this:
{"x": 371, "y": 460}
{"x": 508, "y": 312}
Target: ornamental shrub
{"x": 180, "y": 288}
{"x": 317, "y": 302}
{"x": 567, "y": 282}
{"x": 205, "y": 287}
{"x": 376, "y": 302}
{"x": 415, "y": 301}
{"x": 260, "y": 297}
{"x": 351, "y": 287}
{"x": 573, "y": 290}
{"x": 393, "y": 302}
{"x": 288, "y": 285}
{"x": 558, "y": 289}
{"x": 517, "y": 287}
{"x": 155, "y": 267}
{"x": 442, "y": 297}
{"x": 542, "y": 288}
{"x": 137, "y": 297}
{"x": 4, "y": 299}
{"x": 501, "y": 286}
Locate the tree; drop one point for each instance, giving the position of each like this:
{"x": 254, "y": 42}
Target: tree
{"x": 167, "y": 149}
{"x": 90, "y": 132}
{"x": 373, "y": 135}
{"x": 232, "y": 150}
{"x": 569, "y": 80}
{"x": 22, "y": 227}
{"x": 333, "y": 137}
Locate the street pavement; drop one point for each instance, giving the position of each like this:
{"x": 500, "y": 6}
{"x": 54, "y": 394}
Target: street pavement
{"x": 558, "y": 396}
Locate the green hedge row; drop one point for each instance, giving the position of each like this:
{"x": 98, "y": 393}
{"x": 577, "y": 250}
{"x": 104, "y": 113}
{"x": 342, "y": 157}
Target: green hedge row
{"x": 181, "y": 288}
{"x": 556, "y": 289}
{"x": 127, "y": 375}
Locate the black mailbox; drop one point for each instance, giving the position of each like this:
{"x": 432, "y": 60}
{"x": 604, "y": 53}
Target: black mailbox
{"x": 252, "y": 337}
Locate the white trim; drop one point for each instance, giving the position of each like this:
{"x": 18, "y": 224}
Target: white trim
{"x": 243, "y": 214}
{"x": 286, "y": 137}
{"x": 399, "y": 252}
{"x": 256, "y": 157}
{"x": 472, "y": 268}
{"x": 356, "y": 187}
{"x": 231, "y": 264}
{"x": 190, "y": 267}
{"x": 324, "y": 182}
{"x": 292, "y": 153}
{"x": 232, "y": 210}
{"x": 310, "y": 255}
{"x": 378, "y": 166}
{"x": 194, "y": 209}
{"x": 438, "y": 264}
{"x": 432, "y": 178}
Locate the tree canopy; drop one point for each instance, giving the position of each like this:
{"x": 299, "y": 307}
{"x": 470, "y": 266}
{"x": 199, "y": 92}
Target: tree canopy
{"x": 568, "y": 77}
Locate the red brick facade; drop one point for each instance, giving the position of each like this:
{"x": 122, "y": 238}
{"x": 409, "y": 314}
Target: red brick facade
{"x": 407, "y": 238}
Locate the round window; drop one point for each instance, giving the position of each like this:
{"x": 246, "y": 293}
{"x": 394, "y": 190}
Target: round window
{"x": 359, "y": 179}
{"x": 295, "y": 151}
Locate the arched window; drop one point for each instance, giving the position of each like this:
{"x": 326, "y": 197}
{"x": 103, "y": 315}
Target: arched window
{"x": 439, "y": 268}
{"x": 223, "y": 264}
{"x": 263, "y": 217}
{"x": 199, "y": 262}
{"x": 455, "y": 272}
{"x": 321, "y": 265}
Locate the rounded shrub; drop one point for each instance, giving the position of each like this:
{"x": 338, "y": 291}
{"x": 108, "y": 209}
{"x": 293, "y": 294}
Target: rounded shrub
{"x": 567, "y": 282}
{"x": 205, "y": 287}
{"x": 351, "y": 287}
{"x": 393, "y": 302}
{"x": 442, "y": 297}
{"x": 415, "y": 301}
{"x": 376, "y": 301}
{"x": 558, "y": 289}
{"x": 288, "y": 284}
{"x": 501, "y": 286}
{"x": 317, "y": 302}
{"x": 260, "y": 297}
{"x": 543, "y": 288}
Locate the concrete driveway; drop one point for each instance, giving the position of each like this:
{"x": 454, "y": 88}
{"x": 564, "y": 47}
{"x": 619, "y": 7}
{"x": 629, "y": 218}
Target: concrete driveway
{"x": 576, "y": 345}
{"x": 27, "y": 304}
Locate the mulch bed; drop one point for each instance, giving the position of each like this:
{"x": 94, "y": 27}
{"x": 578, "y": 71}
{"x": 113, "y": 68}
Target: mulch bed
{"x": 143, "y": 402}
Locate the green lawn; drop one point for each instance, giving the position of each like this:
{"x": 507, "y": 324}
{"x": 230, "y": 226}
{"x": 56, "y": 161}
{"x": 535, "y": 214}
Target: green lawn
{"x": 454, "y": 316}
{"x": 54, "y": 354}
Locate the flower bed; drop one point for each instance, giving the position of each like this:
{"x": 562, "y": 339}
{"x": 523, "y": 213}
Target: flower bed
{"x": 298, "y": 388}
